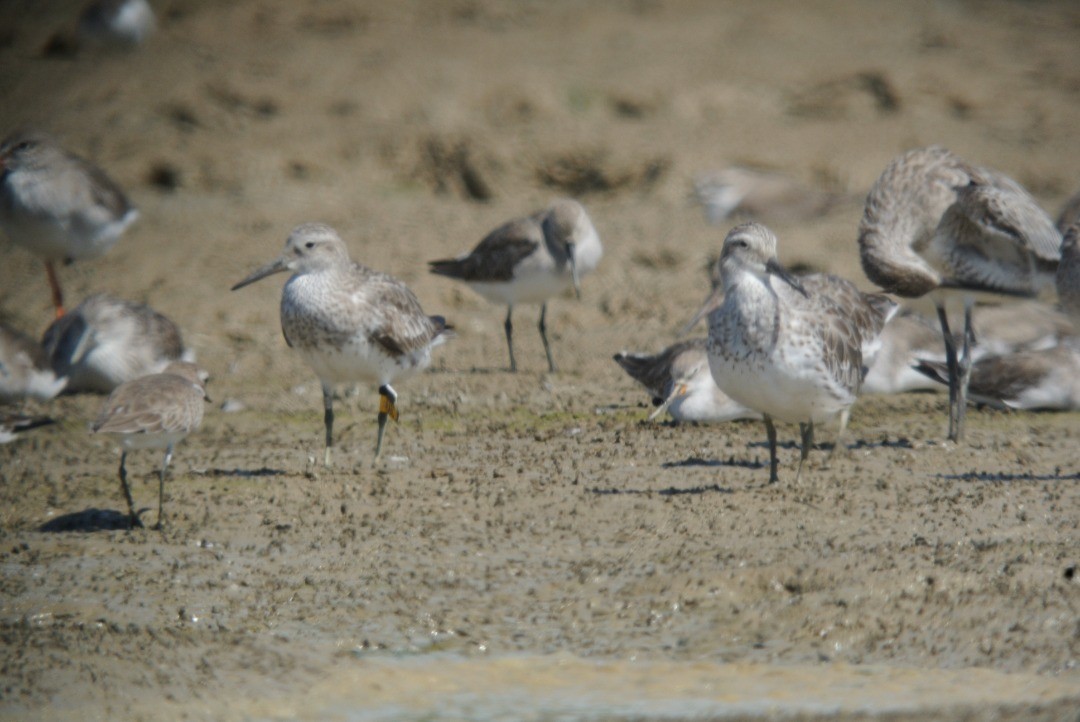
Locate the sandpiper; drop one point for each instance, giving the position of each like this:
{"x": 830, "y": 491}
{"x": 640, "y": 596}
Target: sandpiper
{"x": 57, "y": 205}
{"x": 1042, "y": 379}
{"x": 105, "y": 341}
{"x": 679, "y": 380}
{"x": 529, "y": 260}
{"x": 933, "y": 222}
{"x": 154, "y": 412}
{"x": 24, "y": 369}
{"x": 349, "y": 322}
{"x": 13, "y": 424}
{"x": 792, "y": 349}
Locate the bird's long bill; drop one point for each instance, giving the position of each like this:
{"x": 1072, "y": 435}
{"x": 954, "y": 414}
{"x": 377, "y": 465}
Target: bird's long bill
{"x": 773, "y": 267}
{"x": 276, "y": 266}
{"x": 712, "y": 302}
{"x": 573, "y": 269}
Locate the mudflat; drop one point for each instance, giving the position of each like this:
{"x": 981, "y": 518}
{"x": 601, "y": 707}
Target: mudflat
{"x": 528, "y": 540}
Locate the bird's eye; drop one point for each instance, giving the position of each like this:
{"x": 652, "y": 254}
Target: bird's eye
{"x": 309, "y": 244}
{"x": 739, "y": 243}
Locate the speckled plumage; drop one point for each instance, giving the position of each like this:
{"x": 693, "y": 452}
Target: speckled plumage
{"x": 790, "y": 348}
{"x": 679, "y": 380}
{"x": 154, "y": 412}
{"x": 933, "y": 221}
{"x": 529, "y": 260}
{"x": 347, "y": 321}
{"x": 105, "y": 341}
{"x": 24, "y": 369}
{"x": 57, "y": 205}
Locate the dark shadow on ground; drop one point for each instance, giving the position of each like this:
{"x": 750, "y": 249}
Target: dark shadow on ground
{"x": 669, "y": 491}
{"x": 88, "y": 520}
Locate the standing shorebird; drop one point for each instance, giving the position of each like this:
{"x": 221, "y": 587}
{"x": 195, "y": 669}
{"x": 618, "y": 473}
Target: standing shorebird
{"x": 933, "y": 222}
{"x": 349, "y": 322}
{"x": 105, "y": 341}
{"x": 679, "y": 380}
{"x": 793, "y": 349}
{"x": 154, "y": 412}
{"x": 529, "y": 260}
{"x": 57, "y": 205}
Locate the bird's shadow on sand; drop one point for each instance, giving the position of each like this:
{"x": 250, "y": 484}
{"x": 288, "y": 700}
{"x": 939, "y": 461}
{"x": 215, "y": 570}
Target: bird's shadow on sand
{"x": 88, "y": 520}
{"x": 669, "y": 491}
{"x": 730, "y": 462}
{"x": 1004, "y": 478}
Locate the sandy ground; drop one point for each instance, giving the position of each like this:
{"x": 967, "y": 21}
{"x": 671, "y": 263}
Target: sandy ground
{"x": 520, "y": 519}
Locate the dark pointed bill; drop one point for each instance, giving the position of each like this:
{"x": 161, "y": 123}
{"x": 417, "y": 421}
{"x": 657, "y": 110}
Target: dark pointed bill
{"x": 573, "y": 269}
{"x": 276, "y": 266}
{"x": 773, "y": 267}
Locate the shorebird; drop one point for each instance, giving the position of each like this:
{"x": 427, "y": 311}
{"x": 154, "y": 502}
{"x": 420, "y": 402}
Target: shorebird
{"x": 791, "y": 348}
{"x": 1000, "y": 330}
{"x": 933, "y": 222}
{"x": 349, "y": 322}
{"x": 105, "y": 341}
{"x": 154, "y": 412}
{"x": 13, "y": 424}
{"x": 24, "y": 369}
{"x": 57, "y": 205}
{"x": 529, "y": 260}
{"x": 1044, "y": 379}
{"x": 1068, "y": 274}
{"x": 679, "y": 380}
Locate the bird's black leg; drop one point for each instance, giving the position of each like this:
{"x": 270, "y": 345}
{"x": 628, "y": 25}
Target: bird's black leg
{"x": 543, "y": 337}
{"x": 328, "y": 420}
{"x": 133, "y": 518}
{"x": 770, "y": 432}
{"x": 953, "y": 369}
{"x": 807, "y": 432}
{"x": 963, "y": 369}
{"x": 508, "y": 326}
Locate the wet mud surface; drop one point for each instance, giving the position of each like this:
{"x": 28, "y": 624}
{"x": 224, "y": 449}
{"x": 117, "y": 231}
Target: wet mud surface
{"x": 531, "y": 519}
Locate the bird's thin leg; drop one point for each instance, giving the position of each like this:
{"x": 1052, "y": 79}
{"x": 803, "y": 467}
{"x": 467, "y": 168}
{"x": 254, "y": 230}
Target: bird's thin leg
{"x": 133, "y": 518}
{"x": 952, "y": 367}
{"x": 543, "y": 337}
{"x": 509, "y": 328}
{"x": 328, "y": 420}
{"x": 161, "y": 488}
{"x": 54, "y": 285}
{"x": 770, "y": 432}
{"x": 807, "y": 432}
{"x": 963, "y": 367}
{"x": 387, "y": 408}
